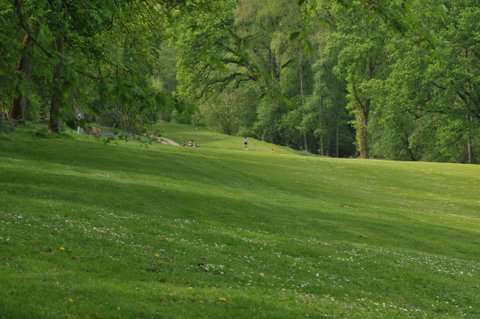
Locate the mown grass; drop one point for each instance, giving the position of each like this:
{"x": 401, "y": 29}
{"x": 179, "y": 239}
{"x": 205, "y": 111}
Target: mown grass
{"x": 94, "y": 230}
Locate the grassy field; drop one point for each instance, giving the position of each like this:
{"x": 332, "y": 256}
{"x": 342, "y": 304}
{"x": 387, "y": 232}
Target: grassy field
{"x": 94, "y": 230}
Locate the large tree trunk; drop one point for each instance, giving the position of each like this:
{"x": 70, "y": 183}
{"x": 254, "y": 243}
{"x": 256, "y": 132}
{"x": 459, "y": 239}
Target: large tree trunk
{"x": 469, "y": 151}
{"x": 302, "y": 95}
{"x": 362, "y": 133}
{"x": 57, "y": 87}
{"x": 469, "y": 146}
{"x": 361, "y": 110}
{"x": 24, "y": 70}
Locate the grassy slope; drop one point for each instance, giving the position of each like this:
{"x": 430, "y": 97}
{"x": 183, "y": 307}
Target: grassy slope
{"x": 89, "y": 230}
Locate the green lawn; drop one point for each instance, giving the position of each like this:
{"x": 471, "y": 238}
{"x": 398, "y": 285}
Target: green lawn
{"x": 94, "y": 230}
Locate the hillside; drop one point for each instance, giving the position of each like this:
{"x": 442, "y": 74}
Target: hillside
{"x": 94, "y": 230}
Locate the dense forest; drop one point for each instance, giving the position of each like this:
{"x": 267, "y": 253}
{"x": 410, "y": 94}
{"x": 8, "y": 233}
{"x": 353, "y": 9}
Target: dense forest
{"x": 394, "y": 79}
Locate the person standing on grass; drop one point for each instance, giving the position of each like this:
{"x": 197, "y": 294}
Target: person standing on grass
{"x": 245, "y": 142}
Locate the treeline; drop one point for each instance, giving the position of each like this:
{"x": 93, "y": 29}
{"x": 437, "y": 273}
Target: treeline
{"x": 395, "y": 79}
{"x": 390, "y": 79}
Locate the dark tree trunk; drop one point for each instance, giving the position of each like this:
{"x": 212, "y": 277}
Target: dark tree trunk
{"x": 362, "y": 110}
{"x": 57, "y": 87}
{"x": 469, "y": 146}
{"x": 302, "y": 95}
{"x": 469, "y": 151}
{"x": 24, "y": 70}
{"x": 362, "y": 134}
{"x": 322, "y": 147}
{"x": 337, "y": 141}
{"x": 361, "y": 126}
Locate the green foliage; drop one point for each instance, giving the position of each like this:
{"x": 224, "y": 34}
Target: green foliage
{"x": 230, "y": 111}
{"x": 395, "y": 84}
{"x": 183, "y": 112}
{"x": 112, "y": 45}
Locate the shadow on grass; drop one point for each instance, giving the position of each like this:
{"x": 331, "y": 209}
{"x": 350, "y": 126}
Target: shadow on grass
{"x": 27, "y": 190}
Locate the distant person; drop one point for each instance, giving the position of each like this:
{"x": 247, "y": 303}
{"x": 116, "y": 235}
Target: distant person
{"x": 245, "y": 142}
